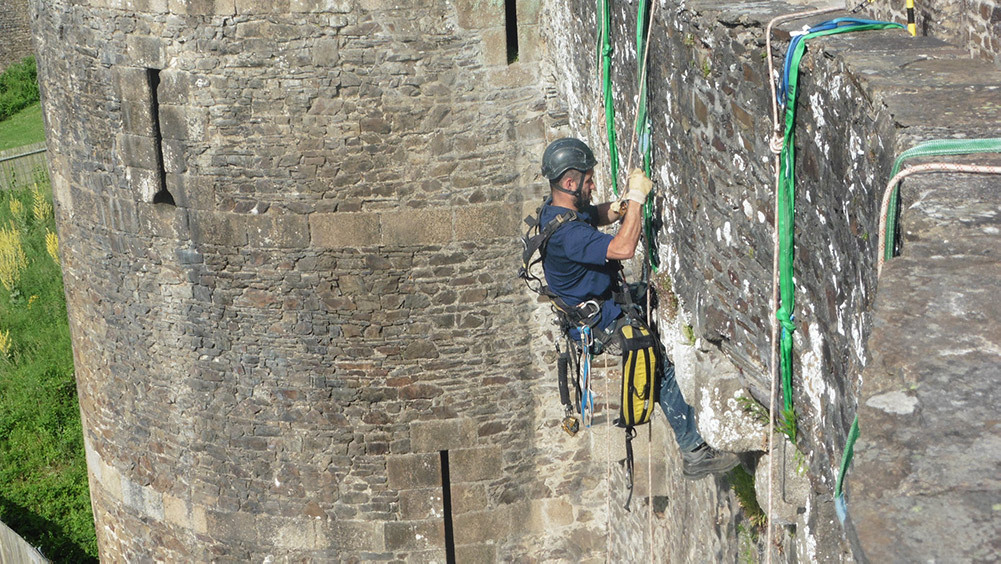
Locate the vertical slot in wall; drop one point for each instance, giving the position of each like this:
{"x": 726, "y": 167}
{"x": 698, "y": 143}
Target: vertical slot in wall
{"x": 446, "y": 502}
{"x": 162, "y": 195}
{"x": 511, "y": 27}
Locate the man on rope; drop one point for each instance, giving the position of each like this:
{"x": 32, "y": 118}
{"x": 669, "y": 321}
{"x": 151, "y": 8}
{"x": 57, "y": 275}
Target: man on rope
{"x": 582, "y": 267}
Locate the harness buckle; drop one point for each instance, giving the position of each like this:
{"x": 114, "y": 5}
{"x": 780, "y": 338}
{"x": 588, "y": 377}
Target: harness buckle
{"x": 585, "y": 315}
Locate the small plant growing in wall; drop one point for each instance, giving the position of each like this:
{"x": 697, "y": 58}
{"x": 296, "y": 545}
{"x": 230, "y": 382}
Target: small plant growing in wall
{"x": 743, "y": 486}
{"x": 707, "y": 68}
{"x": 751, "y": 407}
{"x": 787, "y": 424}
{"x": 688, "y": 334}
{"x": 666, "y": 297}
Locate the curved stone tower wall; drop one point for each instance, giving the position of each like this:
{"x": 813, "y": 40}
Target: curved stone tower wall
{"x": 288, "y": 231}
{"x": 15, "y": 29}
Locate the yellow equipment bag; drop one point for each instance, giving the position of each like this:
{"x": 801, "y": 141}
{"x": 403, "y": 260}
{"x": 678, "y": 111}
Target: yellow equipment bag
{"x": 639, "y": 374}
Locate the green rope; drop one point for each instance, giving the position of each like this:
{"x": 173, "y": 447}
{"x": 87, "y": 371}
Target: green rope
{"x": 644, "y": 129}
{"x": 605, "y": 54}
{"x": 643, "y": 126}
{"x": 846, "y": 457}
{"x": 785, "y": 197}
{"x": 936, "y": 147}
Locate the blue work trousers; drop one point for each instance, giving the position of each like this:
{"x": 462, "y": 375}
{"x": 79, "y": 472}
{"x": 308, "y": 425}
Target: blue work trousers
{"x": 679, "y": 414}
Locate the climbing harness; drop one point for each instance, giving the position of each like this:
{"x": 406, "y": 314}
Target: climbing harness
{"x": 782, "y": 145}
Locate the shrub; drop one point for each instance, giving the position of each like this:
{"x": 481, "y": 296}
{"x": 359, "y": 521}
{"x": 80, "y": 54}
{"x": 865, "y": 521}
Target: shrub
{"x": 18, "y": 87}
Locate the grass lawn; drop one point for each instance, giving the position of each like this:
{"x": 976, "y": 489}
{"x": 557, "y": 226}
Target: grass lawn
{"x": 44, "y": 495}
{"x": 23, "y": 128}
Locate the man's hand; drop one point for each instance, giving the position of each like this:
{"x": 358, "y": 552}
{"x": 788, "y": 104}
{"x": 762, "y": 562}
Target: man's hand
{"x": 639, "y": 186}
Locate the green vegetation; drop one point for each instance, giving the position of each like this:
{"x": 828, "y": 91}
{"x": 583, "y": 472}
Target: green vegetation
{"x": 787, "y": 424}
{"x": 751, "y": 407}
{"x": 666, "y": 298}
{"x": 42, "y": 465}
{"x": 23, "y": 128}
{"x": 688, "y": 333}
{"x": 743, "y": 487}
{"x": 18, "y": 87}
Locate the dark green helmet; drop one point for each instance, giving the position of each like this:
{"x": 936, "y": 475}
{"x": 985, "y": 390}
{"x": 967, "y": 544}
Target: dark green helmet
{"x": 565, "y": 154}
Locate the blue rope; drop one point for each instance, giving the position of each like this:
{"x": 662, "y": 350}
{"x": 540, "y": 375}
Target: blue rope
{"x": 824, "y": 26}
{"x": 587, "y": 404}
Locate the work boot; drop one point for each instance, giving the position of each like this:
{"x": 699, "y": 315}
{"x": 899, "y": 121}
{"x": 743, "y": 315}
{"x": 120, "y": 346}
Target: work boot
{"x": 706, "y": 460}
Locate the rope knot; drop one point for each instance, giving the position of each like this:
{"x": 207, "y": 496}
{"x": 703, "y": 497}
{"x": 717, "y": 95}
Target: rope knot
{"x": 776, "y": 143}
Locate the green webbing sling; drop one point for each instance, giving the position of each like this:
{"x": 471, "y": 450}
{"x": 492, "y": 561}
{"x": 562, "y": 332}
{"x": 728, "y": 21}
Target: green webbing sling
{"x": 605, "y": 60}
{"x": 936, "y": 147}
{"x": 643, "y": 126}
{"x": 786, "y": 210}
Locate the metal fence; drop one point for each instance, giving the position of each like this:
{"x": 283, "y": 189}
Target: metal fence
{"x": 15, "y": 550}
{"x": 23, "y": 166}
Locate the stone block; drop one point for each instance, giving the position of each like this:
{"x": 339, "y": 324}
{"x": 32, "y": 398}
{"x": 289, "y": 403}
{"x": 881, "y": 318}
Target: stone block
{"x": 217, "y": 228}
{"x": 474, "y": 464}
{"x": 233, "y": 526}
{"x": 711, "y": 385}
{"x": 415, "y": 535}
{"x": 530, "y": 45}
{"x": 494, "y": 46}
{"x": 281, "y": 231}
{"x": 146, "y": 51}
{"x": 173, "y": 122}
{"x": 479, "y": 14}
{"x": 490, "y": 221}
{"x": 790, "y": 484}
{"x": 288, "y": 533}
{"x": 479, "y": 553}
{"x": 528, "y": 12}
{"x": 137, "y": 117}
{"x": 350, "y": 535}
{"x": 325, "y": 6}
{"x": 417, "y": 227}
{"x": 138, "y": 151}
{"x": 262, "y": 6}
{"x": 325, "y": 52}
{"x": 409, "y": 471}
{"x": 481, "y": 526}
{"x": 143, "y": 181}
{"x": 448, "y": 434}
{"x": 468, "y": 497}
{"x": 174, "y": 156}
{"x": 337, "y": 230}
{"x": 183, "y": 513}
{"x": 203, "y": 7}
{"x": 421, "y": 504}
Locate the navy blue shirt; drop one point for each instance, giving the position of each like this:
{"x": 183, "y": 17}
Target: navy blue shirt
{"x": 576, "y": 266}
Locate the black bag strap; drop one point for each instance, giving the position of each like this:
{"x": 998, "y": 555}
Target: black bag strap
{"x": 534, "y": 245}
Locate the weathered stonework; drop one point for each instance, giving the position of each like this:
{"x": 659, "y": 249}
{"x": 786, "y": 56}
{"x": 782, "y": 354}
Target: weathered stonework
{"x": 15, "y": 32}
{"x": 272, "y": 366}
{"x": 863, "y": 99}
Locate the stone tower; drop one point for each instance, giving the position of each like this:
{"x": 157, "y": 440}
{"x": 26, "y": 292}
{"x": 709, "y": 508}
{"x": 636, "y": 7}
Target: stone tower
{"x": 287, "y": 230}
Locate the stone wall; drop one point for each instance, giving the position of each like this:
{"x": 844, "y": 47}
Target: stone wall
{"x": 289, "y": 254}
{"x": 15, "y": 31}
{"x": 974, "y": 25}
{"x": 289, "y": 232}
{"x": 863, "y": 98}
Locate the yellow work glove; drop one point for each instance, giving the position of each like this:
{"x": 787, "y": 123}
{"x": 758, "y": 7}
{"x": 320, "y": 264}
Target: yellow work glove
{"x": 639, "y": 186}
